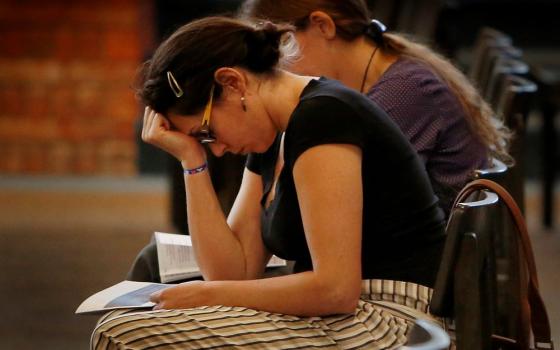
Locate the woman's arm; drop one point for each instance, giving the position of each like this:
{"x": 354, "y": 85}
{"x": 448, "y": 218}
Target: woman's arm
{"x": 329, "y": 188}
{"x": 231, "y": 250}
{"x": 222, "y": 252}
{"x": 244, "y": 219}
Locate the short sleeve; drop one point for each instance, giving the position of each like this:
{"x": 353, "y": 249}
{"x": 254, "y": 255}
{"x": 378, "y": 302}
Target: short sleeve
{"x": 322, "y": 120}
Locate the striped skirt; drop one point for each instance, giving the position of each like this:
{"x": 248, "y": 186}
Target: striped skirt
{"x": 382, "y": 319}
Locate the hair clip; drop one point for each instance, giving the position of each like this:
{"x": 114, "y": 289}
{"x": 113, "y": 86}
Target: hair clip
{"x": 174, "y": 85}
{"x": 380, "y": 26}
{"x": 375, "y": 30}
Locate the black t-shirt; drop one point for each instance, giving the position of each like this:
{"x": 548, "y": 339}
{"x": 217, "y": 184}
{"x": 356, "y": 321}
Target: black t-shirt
{"x": 403, "y": 227}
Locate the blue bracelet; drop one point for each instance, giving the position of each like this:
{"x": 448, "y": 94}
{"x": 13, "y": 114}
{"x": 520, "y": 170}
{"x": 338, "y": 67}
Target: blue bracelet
{"x": 195, "y": 170}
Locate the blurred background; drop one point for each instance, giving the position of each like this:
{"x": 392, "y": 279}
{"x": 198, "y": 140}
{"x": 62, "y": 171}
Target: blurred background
{"x": 80, "y": 194}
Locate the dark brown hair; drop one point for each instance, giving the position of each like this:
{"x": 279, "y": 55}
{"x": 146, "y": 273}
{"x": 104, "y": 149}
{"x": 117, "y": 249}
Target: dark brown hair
{"x": 352, "y": 20}
{"x": 194, "y": 52}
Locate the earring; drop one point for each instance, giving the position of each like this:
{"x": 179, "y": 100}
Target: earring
{"x": 243, "y": 105}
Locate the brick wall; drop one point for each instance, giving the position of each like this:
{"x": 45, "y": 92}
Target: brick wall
{"x": 66, "y": 67}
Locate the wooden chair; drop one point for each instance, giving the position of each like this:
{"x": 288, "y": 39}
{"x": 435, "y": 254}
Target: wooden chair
{"x": 426, "y": 335}
{"x": 504, "y": 66}
{"x": 493, "y": 55}
{"x": 489, "y": 45}
{"x": 486, "y": 37}
{"x": 461, "y": 283}
{"x": 546, "y": 73}
{"x": 495, "y": 172}
{"x": 487, "y": 279}
{"x": 513, "y": 105}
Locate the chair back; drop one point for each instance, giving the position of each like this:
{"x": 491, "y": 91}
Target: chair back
{"x": 496, "y": 171}
{"x": 515, "y": 97}
{"x": 487, "y": 279}
{"x": 426, "y": 335}
{"x": 504, "y": 66}
{"x": 492, "y": 34}
{"x": 513, "y": 106}
{"x": 486, "y": 36}
{"x": 460, "y": 284}
{"x": 493, "y": 54}
{"x": 489, "y": 42}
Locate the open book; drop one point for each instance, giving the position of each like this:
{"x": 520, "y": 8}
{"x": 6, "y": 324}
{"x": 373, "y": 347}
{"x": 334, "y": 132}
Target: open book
{"x": 176, "y": 257}
{"x": 123, "y": 295}
{"x": 176, "y": 262}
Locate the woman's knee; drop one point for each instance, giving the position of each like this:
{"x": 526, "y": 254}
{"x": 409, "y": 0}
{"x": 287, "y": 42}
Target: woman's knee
{"x": 145, "y": 267}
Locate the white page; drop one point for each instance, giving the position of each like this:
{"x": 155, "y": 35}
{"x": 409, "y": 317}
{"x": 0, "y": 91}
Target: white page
{"x": 126, "y": 294}
{"x": 276, "y": 261}
{"x": 175, "y": 256}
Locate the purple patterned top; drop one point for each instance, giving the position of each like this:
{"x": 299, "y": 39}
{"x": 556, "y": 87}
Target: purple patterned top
{"x": 434, "y": 121}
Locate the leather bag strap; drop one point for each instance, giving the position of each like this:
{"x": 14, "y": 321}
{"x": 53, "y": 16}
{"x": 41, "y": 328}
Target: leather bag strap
{"x": 539, "y": 319}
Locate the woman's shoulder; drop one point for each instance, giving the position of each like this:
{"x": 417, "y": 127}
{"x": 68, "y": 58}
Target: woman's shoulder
{"x": 329, "y": 112}
{"x": 411, "y": 82}
{"x": 411, "y": 75}
{"x": 331, "y": 105}
{"x": 329, "y": 90}
{"x": 406, "y": 68}
{"x": 326, "y": 96}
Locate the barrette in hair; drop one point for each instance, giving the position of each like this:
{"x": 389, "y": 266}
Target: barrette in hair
{"x": 174, "y": 85}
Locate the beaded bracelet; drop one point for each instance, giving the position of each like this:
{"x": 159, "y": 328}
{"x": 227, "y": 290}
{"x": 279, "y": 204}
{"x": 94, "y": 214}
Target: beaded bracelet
{"x": 196, "y": 170}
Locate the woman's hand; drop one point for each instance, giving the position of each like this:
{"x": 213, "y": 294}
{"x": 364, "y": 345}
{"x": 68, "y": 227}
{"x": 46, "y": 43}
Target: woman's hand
{"x": 158, "y": 131}
{"x": 182, "y": 296}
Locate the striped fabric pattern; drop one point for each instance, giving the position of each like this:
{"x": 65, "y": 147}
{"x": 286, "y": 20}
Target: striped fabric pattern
{"x": 381, "y": 320}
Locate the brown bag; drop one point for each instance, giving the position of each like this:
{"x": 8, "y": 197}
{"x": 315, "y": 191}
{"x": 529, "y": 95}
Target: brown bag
{"x": 533, "y": 315}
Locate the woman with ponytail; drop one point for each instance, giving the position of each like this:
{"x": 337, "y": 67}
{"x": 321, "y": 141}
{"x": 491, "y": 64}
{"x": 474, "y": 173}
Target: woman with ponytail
{"x": 440, "y": 112}
{"x": 366, "y": 244}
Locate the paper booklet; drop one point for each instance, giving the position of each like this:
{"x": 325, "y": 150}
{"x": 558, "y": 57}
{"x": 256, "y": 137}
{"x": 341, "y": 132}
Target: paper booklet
{"x": 124, "y": 295}
{"x": 176, "y": 262}
{"x": 176, "y": 257}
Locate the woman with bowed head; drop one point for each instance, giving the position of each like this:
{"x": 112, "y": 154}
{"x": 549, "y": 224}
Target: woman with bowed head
{"x": 440, "y": 112}
{"x": 316, "y": 195}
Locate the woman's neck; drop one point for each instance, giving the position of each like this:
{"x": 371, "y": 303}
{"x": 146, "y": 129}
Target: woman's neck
{"x": 281, "y": 95}
{"x": 366, "y": 64}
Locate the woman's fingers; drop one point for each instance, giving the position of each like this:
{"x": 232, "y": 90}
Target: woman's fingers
{"x": 150, "y": 125}
{"x": 157, "y": 300}
{"x": 155, "y": 297}
{"x": 145, "y": 121}
{"x": 154, "y": 124}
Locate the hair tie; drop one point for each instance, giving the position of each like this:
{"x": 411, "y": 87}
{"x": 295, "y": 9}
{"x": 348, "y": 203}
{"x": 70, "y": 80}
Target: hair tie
{"x": 375, "y": 30}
